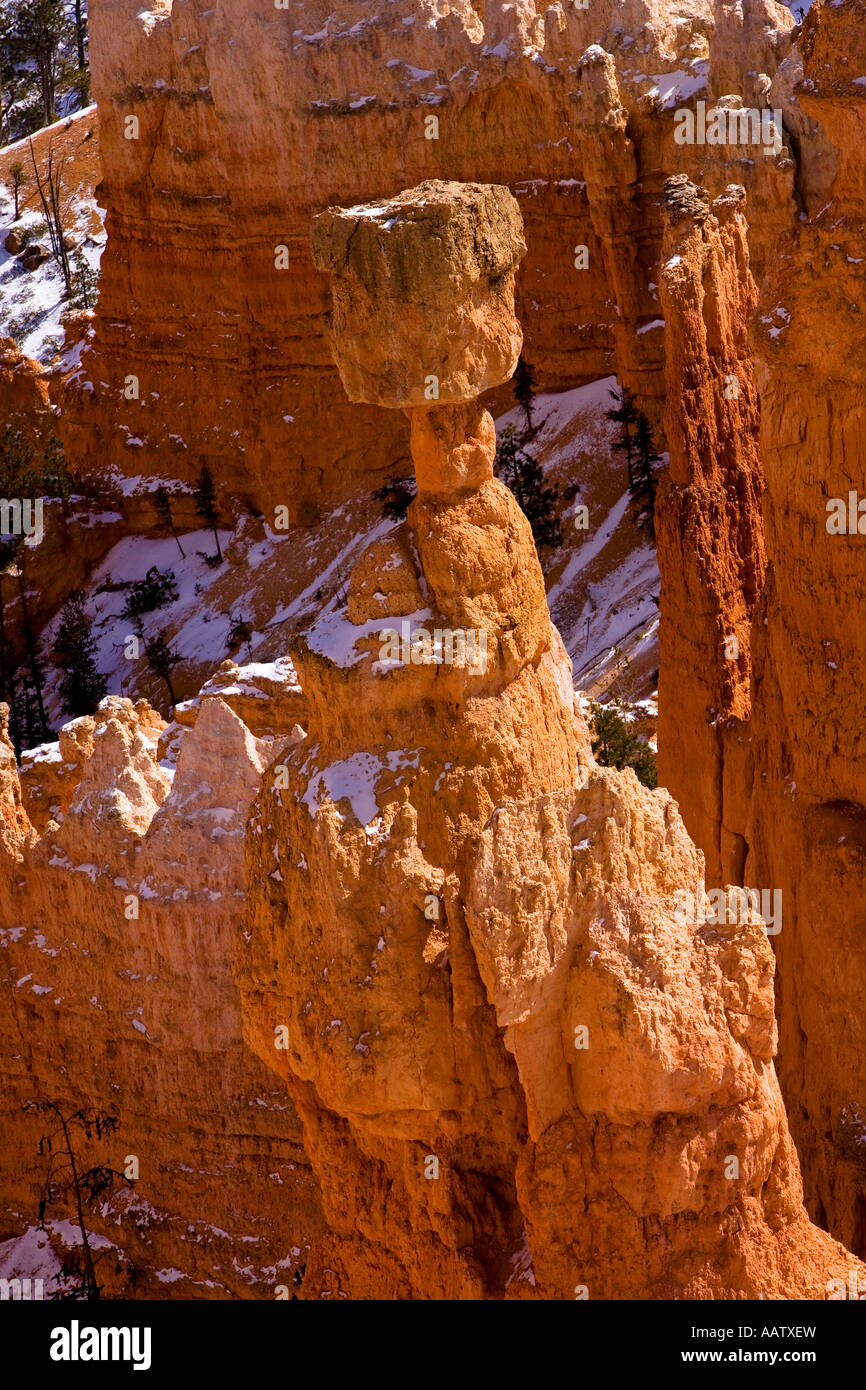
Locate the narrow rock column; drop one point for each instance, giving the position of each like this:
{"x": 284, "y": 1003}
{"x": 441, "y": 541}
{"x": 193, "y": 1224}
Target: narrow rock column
{"x": 356, "y": 956}
{"x": 809, "y": 797}
{"x": 617, "y": 205}
{"x": 708, "y": 522}
{"x": 423, "y": 320}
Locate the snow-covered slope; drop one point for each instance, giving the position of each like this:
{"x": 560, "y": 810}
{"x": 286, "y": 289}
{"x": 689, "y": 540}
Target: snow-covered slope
{"x": 601, "y": 579}
{"x": 32, "y": 302}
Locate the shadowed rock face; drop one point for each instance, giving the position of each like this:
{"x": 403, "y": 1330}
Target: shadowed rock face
{"x": 519, "y": 1072}
{"x": 808, "y": 812}
{"x": 760, "y": 734}
{"x": 709, "y": 524}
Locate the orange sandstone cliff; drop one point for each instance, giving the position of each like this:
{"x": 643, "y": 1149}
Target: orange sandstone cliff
{"x": 807, "y": 813}
{"x": 384, "y": 976}
{"x": 710, "y": 529}
{"x": 761, "y": 581}
{"x": 209, "y": 298}
{"x": 115, "y": 994}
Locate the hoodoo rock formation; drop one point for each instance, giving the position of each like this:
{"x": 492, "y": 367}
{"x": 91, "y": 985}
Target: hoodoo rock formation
{"x": 512, "y": 1062}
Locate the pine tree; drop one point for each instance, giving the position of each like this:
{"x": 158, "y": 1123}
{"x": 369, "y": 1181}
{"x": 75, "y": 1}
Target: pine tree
{"x": 614, "y": 745}
{"x": 19, "y": 474}
{"x": 81, "y": 35}
{"x": 16, "y": 730}
{"x": 13, "y": 84}
{"x": 32, "y": 730}
{"x": 205, "y": 504}
{"x": 33, "y": 34}
{"x": 164, "y": 519}
{"x": 85, "y": 282}
{"x": 625, "y": 415}
{"x": 612, "y": 742}
{"x": 396, "y": 498}
{"x": 520, "y": 472}
{"x": 240, "y": 631}
{"x": 162, "y": 661}
{"x": 4, "y": 656}
{"x": 68, "y": 1180}
{"x": 155, "y": 590}
{"x": 16, "y": 174}
{"x": 82, "y": 685}
{"x": 57, "y": 481}
{"x": 524, "y": 388}
{"x": 34, "y": 690}
{"x": 9, "y": 663}
{"x": 8, "y": 692}
{"x": 23, "y": 475}
{"x": 644, "y": 484}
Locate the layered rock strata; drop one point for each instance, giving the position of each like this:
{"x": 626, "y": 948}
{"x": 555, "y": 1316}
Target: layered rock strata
{"x": 212, "y": 182}
{"x": 807, "y": 828}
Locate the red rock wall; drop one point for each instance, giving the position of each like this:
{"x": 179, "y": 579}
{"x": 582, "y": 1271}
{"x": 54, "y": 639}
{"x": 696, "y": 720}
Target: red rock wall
{"x": 230, "y": 353}
{"x": 808, "y": 831}
{"x": 776, "y": 799}
{"x": 709, "y": 528}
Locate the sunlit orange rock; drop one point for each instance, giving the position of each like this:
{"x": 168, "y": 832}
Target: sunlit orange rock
{"x": 516, "y": 1065}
